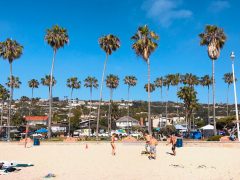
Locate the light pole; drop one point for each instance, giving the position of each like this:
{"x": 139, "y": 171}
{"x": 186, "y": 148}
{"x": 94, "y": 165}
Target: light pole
{"x": 232, "y": 56}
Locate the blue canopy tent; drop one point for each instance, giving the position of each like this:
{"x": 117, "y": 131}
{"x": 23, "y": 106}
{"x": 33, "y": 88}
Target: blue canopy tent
{"x": 42, "y": 130}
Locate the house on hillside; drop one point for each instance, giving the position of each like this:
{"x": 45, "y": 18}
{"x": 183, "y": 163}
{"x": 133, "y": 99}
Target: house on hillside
{"x": 126, "y": 121}
{"x": 36, "y": 120}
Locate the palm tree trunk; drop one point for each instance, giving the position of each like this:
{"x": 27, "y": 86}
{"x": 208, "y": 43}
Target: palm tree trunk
{"x": 100, "y": 100}
{"x": 30, "y": 110}
{"x": 177, "y": 105}
{"x": 50, "y": 95}
{"x": 166, "y": 104}
{"x": 161, "y": 106}
{"x": 128, "y": 111}
{"x": 227, "y": 99}
{"x": 109, "y": 113}
{"x": 213, "y": 91}
{"x": 89, "y": 122}
{"x": 149, "y": 100}
{"x": 9, "y": 104}
{"x": 208, "y": 107}
{"x": 70, "y": 110}
{"x": 2, "y": 112}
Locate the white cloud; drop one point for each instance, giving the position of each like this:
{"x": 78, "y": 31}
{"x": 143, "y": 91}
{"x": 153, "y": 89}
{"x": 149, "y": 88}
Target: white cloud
{"x": 219, "y": 5}
{"x": 165, "y": 11}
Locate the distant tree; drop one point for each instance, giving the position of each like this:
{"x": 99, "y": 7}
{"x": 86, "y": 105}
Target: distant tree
{"x": 90, "y": 82}
{"x": 189, "y": 97}
{"x": 130, "y": 81}
{"x": 206, "y": 81}
{"x": 145, "y": 43}
{"x": 112, "y": 82}
{"x": 214, "y": 38}
{"x": 56, "y": 37}
{"x": 72, "y": 83}
{"x": 228, "y": 79}
{"x": 33, "y": 83}
{"x": 46, "y": 81}
{"x": 190, "y": 80}
{"x": 4, "y": 95}
{"x": 108, "y": 44}
{"x": 10, "y": 50}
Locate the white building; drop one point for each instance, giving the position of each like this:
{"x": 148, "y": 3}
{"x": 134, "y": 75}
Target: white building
{"x": 126, "y": 121}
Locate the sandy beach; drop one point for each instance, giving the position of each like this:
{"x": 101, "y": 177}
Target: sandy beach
{"x": 73, "y": 161}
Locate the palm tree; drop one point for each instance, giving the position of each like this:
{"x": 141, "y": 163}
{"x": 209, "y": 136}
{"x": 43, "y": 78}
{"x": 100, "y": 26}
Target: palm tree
{"x": 72, "y": 83}
{"x": 4, "y": 95}
{"x": 206, "y": 81}
{"x": 130, "y": 81}
{"x": 228, "y": 79}
{"x": 56, "y": 37}
{"x": 46, "y": 81}
{"x": 167, "y": 82}
{"x": 190, "y": 80}
{"x": 109, "y": 44}
{"x": 214, "y": 38}
{"x": 189, "y": 97}
{"x": 90, "y": 82}
{"x": 10, "y": 50}
{"x": 33, "y": 83}
{"x": 112, "y": 82}
{"x": 145, "y": 42}
{"x": 176, "y": 80}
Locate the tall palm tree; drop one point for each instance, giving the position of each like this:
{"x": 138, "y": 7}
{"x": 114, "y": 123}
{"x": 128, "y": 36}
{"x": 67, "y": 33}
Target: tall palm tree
{"x": 206, "y": 81}
{"x": 112, "y": 82}
{"x": 145, "y": 42}
{"x": 130, "y": 81}
{"x": 214, "y": 38}
{"x": 10, "y": 50}
{"x": 228, "y": 79}
{"x": 33, "y": 83}
{"x": 176, "y": 80}
{"x": 46, "y": 81}
{"x": 72, "y": 83}
{"x": 158, "y": 83}
{"x": 108, "y": 44}
{"x": 167, "y": 82}
{"x": 90, "y": 82}
{"x": 56, "y": 37}
{"x": 4, "y": 95}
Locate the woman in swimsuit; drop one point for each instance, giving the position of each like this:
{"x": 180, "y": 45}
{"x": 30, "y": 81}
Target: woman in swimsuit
{"x": 113, "y": 144}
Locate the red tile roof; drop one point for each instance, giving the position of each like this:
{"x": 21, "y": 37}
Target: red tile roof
{"x": 36, "y": 118}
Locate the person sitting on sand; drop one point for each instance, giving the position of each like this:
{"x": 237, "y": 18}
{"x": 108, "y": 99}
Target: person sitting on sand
{"x": 152, "y": 143}
{"x": 173, "y": 141}
{"x": 147, "y": 137}
{"x": 113, "y": 144}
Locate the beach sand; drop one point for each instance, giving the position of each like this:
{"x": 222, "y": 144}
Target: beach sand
{"x": 74, "y": 162}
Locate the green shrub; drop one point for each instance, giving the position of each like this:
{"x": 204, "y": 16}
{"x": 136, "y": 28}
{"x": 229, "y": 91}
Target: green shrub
{"x": 214, "y": 138}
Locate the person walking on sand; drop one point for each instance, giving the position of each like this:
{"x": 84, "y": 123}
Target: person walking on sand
{"x": 152, "y": 143}
{"x": 147, "y": 137}
{"x": 113, "y": 144}
{"x": 173, "y": 141}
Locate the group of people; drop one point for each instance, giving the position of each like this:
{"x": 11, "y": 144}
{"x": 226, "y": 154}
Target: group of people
{"x": 150, "y": 146}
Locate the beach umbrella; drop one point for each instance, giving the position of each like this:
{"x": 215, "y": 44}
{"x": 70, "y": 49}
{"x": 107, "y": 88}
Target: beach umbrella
{"x": 42, "y": 130}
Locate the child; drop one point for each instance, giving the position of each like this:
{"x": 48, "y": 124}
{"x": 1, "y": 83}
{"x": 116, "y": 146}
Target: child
{"x": 152, "y": 143}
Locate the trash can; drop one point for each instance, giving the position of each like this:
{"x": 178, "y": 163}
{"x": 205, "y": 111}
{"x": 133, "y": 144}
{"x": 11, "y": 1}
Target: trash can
{"x": 179, "y": 142}
{"x": 36, "y": 142}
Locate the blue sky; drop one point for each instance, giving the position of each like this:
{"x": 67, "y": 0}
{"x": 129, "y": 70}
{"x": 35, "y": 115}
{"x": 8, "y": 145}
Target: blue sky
{"x": 178, "y": 22}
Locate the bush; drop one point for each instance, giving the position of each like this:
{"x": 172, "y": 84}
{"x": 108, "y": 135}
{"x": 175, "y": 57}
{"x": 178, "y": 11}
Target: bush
{"x": 214, "y": 138}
